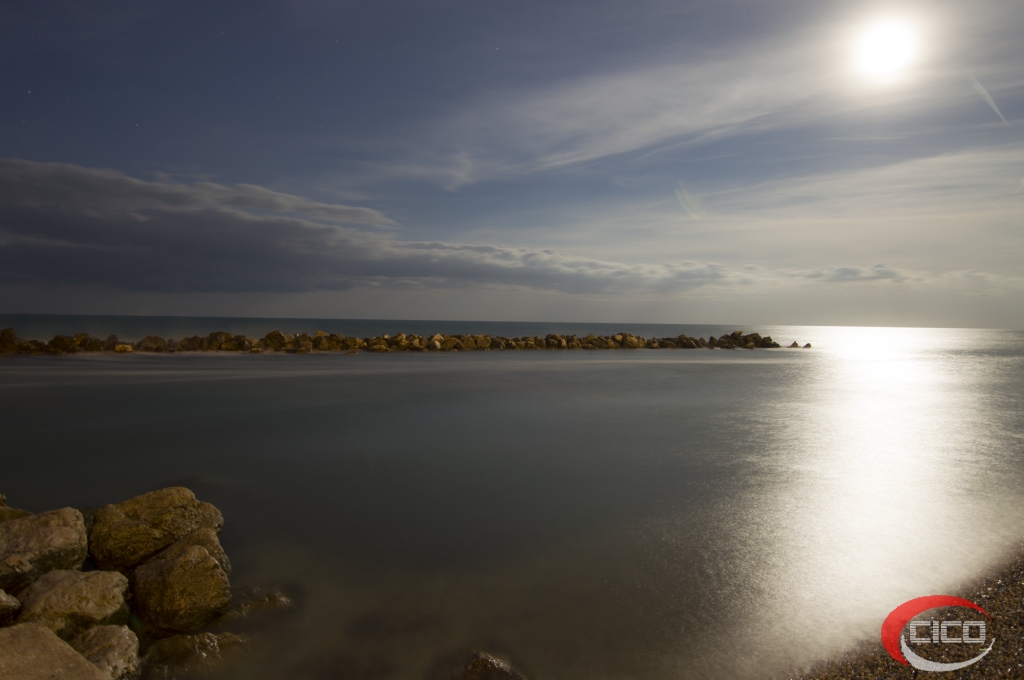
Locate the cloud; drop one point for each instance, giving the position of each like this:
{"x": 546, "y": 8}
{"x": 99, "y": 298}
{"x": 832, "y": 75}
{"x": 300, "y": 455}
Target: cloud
{"x": 63, "y": 224}
{"x": 66, "y": 224}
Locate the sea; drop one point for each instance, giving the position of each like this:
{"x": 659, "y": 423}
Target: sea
{"x": 590, "y": 515}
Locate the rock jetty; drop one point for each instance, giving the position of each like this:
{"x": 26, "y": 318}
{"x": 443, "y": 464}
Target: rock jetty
{"x": 121, "y": 592}
{"x": 304, "y": 343}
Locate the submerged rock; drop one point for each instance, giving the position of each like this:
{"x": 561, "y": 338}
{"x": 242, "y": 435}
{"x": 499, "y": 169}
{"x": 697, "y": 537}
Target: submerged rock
{"x": 485, "y": 667}
{"x": 250, "y": 602}
{"x": 175, "y": 656}
{"x": 32, "y": 652}
{"x": 181, "y": 593}
{"x": 128, "y": 533}
{"x": 32, "y": 546}
{"x": 68, "y": 602}
{"x": 9, "y": 606}
{"x": 7, "y": 513}
{"x": 114, "y": 650}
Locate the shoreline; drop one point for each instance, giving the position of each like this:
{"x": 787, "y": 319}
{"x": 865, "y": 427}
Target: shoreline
{"x": 304, "y": 343}
{"x": 1000, "y": 593}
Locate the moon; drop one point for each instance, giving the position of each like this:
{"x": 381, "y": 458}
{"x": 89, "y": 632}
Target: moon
{"x": 886, "y": 48}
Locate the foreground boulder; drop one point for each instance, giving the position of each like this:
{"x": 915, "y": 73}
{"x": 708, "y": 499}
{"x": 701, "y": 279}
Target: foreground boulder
{"x": 9, "y": 606}
{"x": 126, "y": 534}
{"x": 175, "y": 656}
{"x": 32, "y": 652}
{"x": 485, "y": 667}
{"x": 7, "y": 513}
{"x": 207, "y": 538}
{"x": 68, "y": 602}
{"x": 32, "y": 546}
{"x": 114, "y": 650}
{"x": 181, "y": 593}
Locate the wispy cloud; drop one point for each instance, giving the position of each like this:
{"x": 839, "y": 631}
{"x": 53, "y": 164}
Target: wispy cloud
{"x": 62, "y": 224}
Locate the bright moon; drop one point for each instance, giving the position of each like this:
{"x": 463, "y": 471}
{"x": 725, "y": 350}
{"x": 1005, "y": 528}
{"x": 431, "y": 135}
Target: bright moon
{"x": 886, "y": 48}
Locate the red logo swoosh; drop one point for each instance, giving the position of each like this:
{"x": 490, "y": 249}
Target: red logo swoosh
{"x": 901, "y": 616}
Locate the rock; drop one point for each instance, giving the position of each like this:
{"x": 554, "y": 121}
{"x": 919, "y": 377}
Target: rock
{"x": 249, "y": 602}
{"x": 450, "y": 344}
{"x": 68, "y": 602}
{"x": 214, "y": 340}
{"x": 210, "y": 517}
{"x": 7, "y": 514}
{"x": 182, "y": 593}
{"x": 9, "y": 606}
{"x": 807, "y": 346}
{"x": 795, "y": 344}
{"x": 122, "y": 348}
{"x": 181, "y": 654}
{"x": 32, "y": 652}
{"x": 62, "y": 343}
{"x": 485, "y": 667}
{"x": 8, "y": 341}
{"x": 114, "y": 650}
{"x": 207, "y": 538}
{"x": 32, "y": 546}
{"x": 126, "y": 534}
{"x": 152, "y": 343}
{"x": 749, "y": 345}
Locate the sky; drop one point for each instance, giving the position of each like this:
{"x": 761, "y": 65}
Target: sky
{"x": 798, "y": 162}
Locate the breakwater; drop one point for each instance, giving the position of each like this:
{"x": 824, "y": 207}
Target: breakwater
{"x": 304, "y": 343}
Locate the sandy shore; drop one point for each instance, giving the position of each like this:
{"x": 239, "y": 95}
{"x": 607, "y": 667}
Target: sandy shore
{"x": 1001, "y": 595}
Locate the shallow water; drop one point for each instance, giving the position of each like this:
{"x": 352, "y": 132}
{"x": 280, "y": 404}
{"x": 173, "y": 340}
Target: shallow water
{"x": 610, "y": 514}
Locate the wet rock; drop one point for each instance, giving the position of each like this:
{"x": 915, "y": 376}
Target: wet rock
{"x": 795, "y": 344}
{"x": 114, "y": 650}
{"x": 207, "y": 538}
{"x": 7, "y": 513}
{"x": 126, "y": 534}
{"x": 32, "y": 546}
{"x": 749, "y": 345}
{"x": 8, "y": 341}
{"x": 175, "y": 656}
{"x": 485, "y": 667}
{"x": 68, "y": 602}
{"x": 32, "y": 652}
{"x": 807, "y": 346}
{"x": 250, "y": 602}
{"x": 9, "y": 606}
{"x": 110, "y": 343}
{"x": 152, "y": 343}
{"x": 274, "y": 340}
{"x": 61, "y": 344}
{"x": 182, "y": 593}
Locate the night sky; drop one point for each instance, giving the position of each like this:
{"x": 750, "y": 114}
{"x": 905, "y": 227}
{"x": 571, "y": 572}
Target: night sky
{"x": 682, "y": 162}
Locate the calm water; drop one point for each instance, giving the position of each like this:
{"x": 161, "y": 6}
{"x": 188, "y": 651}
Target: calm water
{"x": 590, "y": 515}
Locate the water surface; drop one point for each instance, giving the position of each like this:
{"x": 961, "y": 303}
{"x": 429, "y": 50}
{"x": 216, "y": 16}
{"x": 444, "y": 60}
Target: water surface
{"x": 609, "y": 514}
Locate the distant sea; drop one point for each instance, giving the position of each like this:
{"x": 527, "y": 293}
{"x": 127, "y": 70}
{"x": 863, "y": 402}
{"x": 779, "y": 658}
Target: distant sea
{"x": 590, "y": 515}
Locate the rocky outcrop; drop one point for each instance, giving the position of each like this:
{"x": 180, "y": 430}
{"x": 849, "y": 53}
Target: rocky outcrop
{"x": 181, "y": 593}
{"x": 32, "y": 546}
{"x": 175, "y": 656}
{"x": 68, "y": 602}
{"x": 114, "y": 650}
{"x": 485, "y": 667}
{"x": 7, "y": 513}
{"x": 9, "y": 606}
{"x": 32, "y": 652}
{"x": 321, "y": 341}
{"x": 126, "y": 534}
